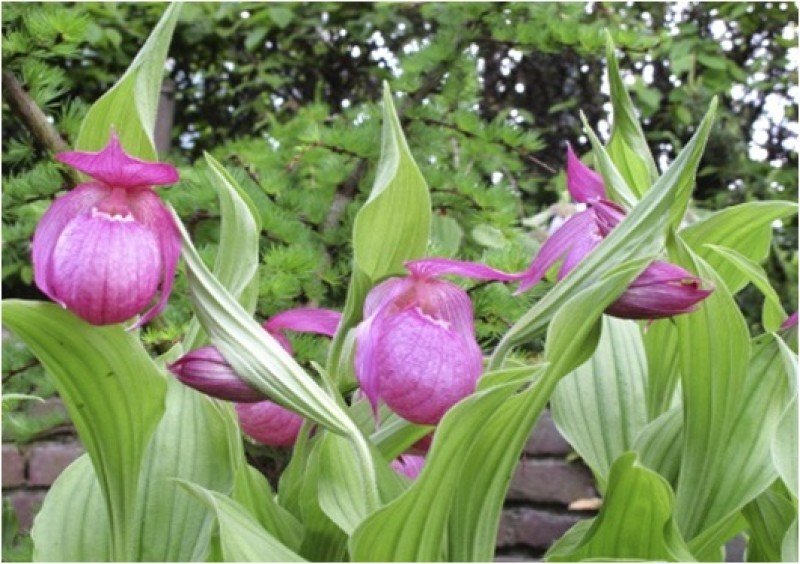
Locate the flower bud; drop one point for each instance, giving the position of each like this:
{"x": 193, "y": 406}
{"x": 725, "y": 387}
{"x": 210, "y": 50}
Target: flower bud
{"x": 269, "y": 423}
{"x": 104, "y": 249}
{"x": 206, "y": 371}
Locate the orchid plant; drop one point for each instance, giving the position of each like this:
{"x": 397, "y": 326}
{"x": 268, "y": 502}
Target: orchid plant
{"x": 403, "y": 444}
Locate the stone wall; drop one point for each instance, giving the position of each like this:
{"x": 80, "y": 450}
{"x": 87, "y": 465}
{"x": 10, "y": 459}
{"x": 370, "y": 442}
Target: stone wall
{"x": 548, "y": 493}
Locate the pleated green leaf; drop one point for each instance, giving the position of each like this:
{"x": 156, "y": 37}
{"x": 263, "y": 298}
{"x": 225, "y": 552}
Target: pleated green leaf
{"x": 789, "y": 547}
{"x": 772, "y": 314}
{"x": 72, "y": 525}
{"x": 614, "y": 182}
{"x": 627, "y": 146}
{"x": 635, "y": 523}
{"x": 769, "y": 517}
{"x": 640, "y": 234}
{"x": 130, "y": 106}
{"x": 660, "y": 444}
{"x": 663, "y": 369}
{"x": 113, "y": 392}
{"x": 252, "y": 352}
{"x": 392, "y": 226}
{"x": 197, "y": 440}
{"x": 237, "y": 259}
{"x": 253, "y": 492}
{"x": 784, "y": 447}
{"x": 600, "y": 407}
{"x": 746, "y": 228}
{"x": 242, "y": 539}
{"x": 732, "y": 399}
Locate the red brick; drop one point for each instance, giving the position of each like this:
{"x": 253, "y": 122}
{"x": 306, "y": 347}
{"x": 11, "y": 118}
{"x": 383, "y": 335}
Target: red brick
{"x": 13, "y": 466}
{"x": 27, "y": 505}
{"x": 532, "y": 527}
{"x": 546, "y": 440}
{"x": 47, "y": 460}
{"x": 551, "y": 481}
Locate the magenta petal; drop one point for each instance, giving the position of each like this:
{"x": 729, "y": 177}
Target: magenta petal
{"x": 305, "y": 320}
{"x": 269, "y": 423}
{"x": 64, "y": 209}
{"x": 584, "y": 184}
{"x": 790, "y": 322}
{"x": 115, "y": 168}
{"x": 366, "y": 366}
{"x": 440, "y": 266}
{"x": 409, "y": 465}
{"x": 608, "y": 215}
{"x": 447, "y": 303}
{"x": 105, "y": 268}
{"x": 206, "y": 371}
{"x": 579, "y": 231}
{"x": 425, "y": 366}
{"x": 150, "y": 211}
{"x": 662, "y": 290}
{"x": 387, "y": 292}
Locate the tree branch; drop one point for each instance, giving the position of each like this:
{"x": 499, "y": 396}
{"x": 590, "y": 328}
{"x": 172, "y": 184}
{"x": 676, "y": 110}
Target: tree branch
{"x": 31, "y": 115}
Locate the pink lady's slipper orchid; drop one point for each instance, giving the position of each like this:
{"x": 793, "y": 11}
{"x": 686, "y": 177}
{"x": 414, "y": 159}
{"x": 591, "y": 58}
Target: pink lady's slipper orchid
{"x": 105, "y": 248}
{"x": 416, "y": 348}
{"x": 409, "y": 465}
{"x": 790, "y": 321}
{"x": 662, "y": 290}
{"x": 205, "y": 370}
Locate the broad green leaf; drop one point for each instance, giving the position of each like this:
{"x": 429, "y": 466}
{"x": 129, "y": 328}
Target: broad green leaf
{"x": 252, "y": 490}
{"x": 660, "y": 443}
{"x": 197, "y": 440}
{"x": 393, "y": 226}
{"x": 709, "y": 546}
{"x": 663, "y": 368}
{"x": 640, "y": 234}
{"x": 600, "y": 407}
{"x": 72, "y": 525}
{"x": 130, "y": 106}
{"x": 635, "y": 523}
{"x": 242, "y": 539}
{"x": 746, "y": 228}
{"x": 627, "y": 146}
{"x": 395, "y": 435}
{"x": 572, "y": 338}
{"x": 789, "y": 547}
{"x": 255, "y": 356}
{"x": 773, "y": 313}
{"x": 769, "y": 517}
{"x": 113, "y": 392}
{"x": 784, "y": 447}
{"x": 237, "y": 258}
{"x": 732, "y": 398}
{"x": 477, "y": 443}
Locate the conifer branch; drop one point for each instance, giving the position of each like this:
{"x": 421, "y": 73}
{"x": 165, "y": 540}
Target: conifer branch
{"x": 31, "y": 114}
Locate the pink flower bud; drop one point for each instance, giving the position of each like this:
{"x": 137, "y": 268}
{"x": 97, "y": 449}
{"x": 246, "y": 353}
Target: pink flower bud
{"x": 104, "y": 249}
{"x": 409, "y": 465}
{"x": 206, "y": 371}
{"x": 269, "y": 423}
{"x": 416, "y": 349}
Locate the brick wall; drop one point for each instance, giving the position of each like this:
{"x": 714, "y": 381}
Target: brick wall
{"x": 544, "y": 500}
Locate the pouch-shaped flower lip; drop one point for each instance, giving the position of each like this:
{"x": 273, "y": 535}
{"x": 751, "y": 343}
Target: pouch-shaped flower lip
{"x": 105, "y": 248}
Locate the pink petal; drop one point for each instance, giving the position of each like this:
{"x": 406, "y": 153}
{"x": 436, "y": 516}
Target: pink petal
{"x": 113, "y": 167}
{"x": 662, "y": 290}
{"x": 425, "y": 366}
{"x": 64, "y": 209}
{"x": 303, "y": 320}
{"x": 105, "y": 268}
{"x": 148, "y": 209}
{"x": 440, "y": 266}
{"x": 206, "y": 371}
{"x": 790, "y": 322}
{"x": 409, "y": 465}
{"x": 387, "y": 292}
{"x": 608, "y": 215}
{"x": 422, "y": 446}
{"x": 579, "y": 232}
{"x": 446, "y": 302}
{"x": 584, "y": 184}
{"x": 269, "y": 423}
{"x": 366, "y": 366}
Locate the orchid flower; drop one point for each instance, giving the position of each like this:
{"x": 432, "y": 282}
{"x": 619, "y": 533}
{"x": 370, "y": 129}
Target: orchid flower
{"x": 416, "y": 348}
{"x": 662, "y": 290}
{"x": 409, "y": 465}
{"x": 205, "y": 370}
{"x": 105, "y": 248}
{"x": 790, "y": 321}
